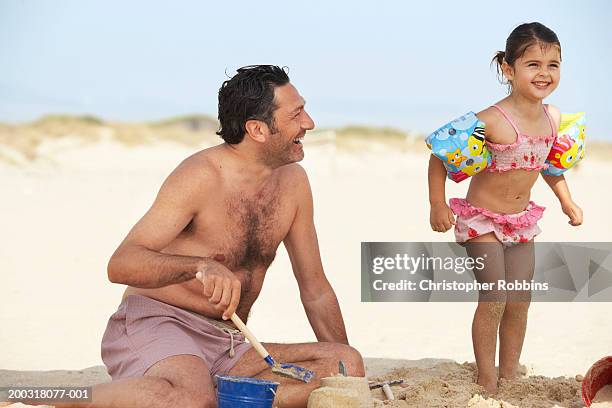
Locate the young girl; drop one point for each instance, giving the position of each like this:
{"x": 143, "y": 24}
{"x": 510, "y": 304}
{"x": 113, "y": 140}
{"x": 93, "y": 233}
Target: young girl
{"x": 497, "y": 216}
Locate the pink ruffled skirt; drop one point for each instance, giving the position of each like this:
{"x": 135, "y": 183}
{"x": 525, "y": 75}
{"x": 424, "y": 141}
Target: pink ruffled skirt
{"x": 508, "y": 228}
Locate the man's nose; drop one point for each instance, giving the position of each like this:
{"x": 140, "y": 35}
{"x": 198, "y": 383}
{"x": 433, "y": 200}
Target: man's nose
{"x": 307, "y": 123}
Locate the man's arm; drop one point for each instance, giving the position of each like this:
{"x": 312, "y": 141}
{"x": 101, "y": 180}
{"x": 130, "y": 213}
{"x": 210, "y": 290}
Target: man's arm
{"x": 317, "y": 295}
{"x": 138, "y": 261}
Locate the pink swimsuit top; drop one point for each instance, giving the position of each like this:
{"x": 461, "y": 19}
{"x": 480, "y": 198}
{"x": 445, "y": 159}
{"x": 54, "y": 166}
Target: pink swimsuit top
{"x": 527, "y": 152}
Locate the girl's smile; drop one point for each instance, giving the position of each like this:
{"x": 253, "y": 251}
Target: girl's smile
{"x": 536, "y": 73}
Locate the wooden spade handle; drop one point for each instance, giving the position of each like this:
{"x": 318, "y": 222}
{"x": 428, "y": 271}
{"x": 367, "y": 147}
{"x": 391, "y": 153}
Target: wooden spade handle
{"x": 249, "y": 335}
{"x": 244, "y": 330}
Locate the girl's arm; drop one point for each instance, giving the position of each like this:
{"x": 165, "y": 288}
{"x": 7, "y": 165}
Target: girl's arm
{"x": 441, "y": 217}
{"x": 559, "y": 186}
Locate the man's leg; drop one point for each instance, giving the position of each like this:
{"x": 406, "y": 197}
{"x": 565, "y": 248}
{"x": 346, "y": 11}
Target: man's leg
{"x": 322, "y": 358}
{"x": 178, "y": 381}
{"x": 520, "y": 264}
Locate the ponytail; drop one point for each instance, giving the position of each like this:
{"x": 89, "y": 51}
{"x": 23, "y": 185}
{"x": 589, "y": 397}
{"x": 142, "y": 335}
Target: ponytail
{"x": 498, "y": 60}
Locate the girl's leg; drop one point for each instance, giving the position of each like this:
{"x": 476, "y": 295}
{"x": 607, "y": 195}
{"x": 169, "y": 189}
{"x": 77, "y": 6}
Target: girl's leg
{"x": 490, "y": 308}
{"x": 520, "y": 263}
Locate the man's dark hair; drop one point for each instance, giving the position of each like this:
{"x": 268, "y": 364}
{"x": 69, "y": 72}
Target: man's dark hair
{"x": 246, "y": 96}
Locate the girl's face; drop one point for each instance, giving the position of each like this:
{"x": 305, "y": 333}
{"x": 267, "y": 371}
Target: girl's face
{"x": 537, "y": 73}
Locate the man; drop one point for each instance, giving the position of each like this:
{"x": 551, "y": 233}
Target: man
{"x": 222, "y": 212}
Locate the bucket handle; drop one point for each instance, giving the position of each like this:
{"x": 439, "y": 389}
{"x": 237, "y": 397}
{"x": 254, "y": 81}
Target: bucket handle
{"x": 273, "y": 392}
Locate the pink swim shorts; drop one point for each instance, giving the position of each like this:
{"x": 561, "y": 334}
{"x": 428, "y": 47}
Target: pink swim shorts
{"x": 144, "y": 331}
{"x": 508, "y": 228}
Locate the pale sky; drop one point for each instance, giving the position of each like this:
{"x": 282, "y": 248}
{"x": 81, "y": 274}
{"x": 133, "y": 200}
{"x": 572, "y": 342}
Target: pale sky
{"x": 408, "y": 65}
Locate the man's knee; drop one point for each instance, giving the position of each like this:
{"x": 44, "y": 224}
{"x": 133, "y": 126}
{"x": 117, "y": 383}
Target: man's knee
{"x": 351, "y": 358}
{"x": 186, "y": 398}
{"x": 208, "y": 402}
{"x": 186, "y": 382}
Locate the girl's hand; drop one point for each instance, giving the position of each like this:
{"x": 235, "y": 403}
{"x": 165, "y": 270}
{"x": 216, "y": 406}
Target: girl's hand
{"x": 573, "y": 212}
{"x": 441, "y": 217}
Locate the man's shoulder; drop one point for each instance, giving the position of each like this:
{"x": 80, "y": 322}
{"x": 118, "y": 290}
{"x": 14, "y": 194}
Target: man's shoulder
{"x": 199, "y": 169}
{"x": 293, "y": 174}
{"x": 295, "y": 183}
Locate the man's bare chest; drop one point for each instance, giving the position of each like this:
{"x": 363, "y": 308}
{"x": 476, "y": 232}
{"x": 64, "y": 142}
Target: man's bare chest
{"x": 246, "y": 228}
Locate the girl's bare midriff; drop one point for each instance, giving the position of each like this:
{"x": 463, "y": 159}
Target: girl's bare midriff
{"x": 506, "y": 192}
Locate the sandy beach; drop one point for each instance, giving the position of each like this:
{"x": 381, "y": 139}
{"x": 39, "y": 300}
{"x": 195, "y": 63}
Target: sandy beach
{"x": 64, "y": 213}
{"x": 428, "y": 383}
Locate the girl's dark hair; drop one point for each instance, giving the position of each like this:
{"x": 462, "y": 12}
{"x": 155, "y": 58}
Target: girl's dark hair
{"x": 246, "y": 96}
{"x": 521, "y": 38}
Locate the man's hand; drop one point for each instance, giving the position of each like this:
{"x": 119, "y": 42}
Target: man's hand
{"x": 573, "y": 212}
{"x": 441, "y": 217}
{"x": 220, "y": 285}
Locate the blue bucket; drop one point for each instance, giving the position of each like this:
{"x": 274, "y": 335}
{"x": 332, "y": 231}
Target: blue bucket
{"x": 244, "y": 392}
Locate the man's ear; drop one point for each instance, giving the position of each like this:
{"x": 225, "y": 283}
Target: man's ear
{"x": 508, "y": 71}
{"x": 257, "y": 130}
